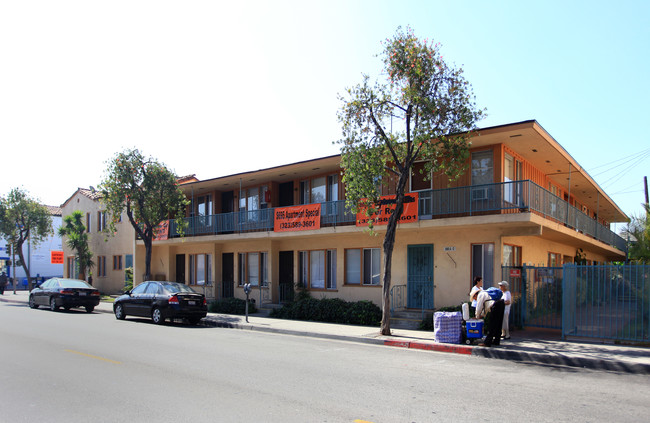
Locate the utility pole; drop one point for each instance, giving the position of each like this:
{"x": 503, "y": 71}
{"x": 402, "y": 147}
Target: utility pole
{"x": 645, "y": 183}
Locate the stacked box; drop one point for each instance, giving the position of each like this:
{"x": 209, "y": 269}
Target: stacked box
{"x": 447, "y": 327}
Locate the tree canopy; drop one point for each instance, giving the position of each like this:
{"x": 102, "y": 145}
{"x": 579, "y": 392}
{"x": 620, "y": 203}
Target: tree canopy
{"x": 77, "y": 239}
{"x": 146, "y": 191}
{"x": 23, "y": 218}
{"x": 639, "y": 230}
{"x": 424, "y": 110}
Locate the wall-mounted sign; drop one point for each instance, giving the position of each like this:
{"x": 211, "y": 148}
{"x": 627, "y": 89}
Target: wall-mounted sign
{"x": 450, "y": 248}
{"x": 297, "y": 218}
{"x": 387, "y": 204}
{"x": 56, "y": 257}
{"x": 515, "y": 273}
{"x": 162, "y": 231}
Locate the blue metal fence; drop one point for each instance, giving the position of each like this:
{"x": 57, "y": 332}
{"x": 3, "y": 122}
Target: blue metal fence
{"x": 607, "y": 302}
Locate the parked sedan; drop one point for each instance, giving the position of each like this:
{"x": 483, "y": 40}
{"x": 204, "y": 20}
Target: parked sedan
{"x": 66, "y": 293}
{"x": 160, "y": 301}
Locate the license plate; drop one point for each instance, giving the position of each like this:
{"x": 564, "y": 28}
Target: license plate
{"x": 191, "y": 302}
{"x": 81, "y": 294}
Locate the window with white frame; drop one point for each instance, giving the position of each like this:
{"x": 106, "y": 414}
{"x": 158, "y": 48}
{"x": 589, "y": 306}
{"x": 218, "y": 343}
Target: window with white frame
{"x": 362, "y": 266}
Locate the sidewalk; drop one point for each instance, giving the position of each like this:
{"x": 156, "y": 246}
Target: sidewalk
{"x": 532, "y": 346}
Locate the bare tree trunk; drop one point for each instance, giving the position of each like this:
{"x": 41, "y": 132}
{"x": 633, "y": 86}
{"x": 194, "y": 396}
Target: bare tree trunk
{"x": 148, "y": 241}
{"x": 388, "y": 246}
{"x": 25, "y": 267}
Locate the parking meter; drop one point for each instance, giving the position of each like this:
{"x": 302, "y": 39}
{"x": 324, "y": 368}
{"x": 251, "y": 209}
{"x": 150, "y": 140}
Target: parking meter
{"x": 247, "y": 291}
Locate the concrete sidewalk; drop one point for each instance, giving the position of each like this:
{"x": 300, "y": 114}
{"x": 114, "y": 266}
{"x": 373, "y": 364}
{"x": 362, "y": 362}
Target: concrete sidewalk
{"x": 530, "y": 346}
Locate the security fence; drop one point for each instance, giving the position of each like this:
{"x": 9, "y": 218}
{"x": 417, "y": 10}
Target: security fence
{"x": 594, "y": 301}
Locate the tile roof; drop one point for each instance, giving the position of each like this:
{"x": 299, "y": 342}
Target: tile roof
{"x": 54, "y": 210}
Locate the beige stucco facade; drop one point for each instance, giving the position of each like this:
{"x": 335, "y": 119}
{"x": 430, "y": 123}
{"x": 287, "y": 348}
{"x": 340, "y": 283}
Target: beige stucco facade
{"x": 532, "y": 181}
{"x": 111, "y": 253}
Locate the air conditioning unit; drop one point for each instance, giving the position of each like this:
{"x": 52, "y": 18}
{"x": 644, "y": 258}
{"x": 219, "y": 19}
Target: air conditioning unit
{"x": 479, "y": 194}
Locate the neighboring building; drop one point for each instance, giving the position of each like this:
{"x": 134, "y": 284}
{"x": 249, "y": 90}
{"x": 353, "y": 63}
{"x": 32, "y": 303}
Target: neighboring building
{"x": 38, "y": 257}
{"x": 523, "y": 199}
{"x": 112, "y": 254}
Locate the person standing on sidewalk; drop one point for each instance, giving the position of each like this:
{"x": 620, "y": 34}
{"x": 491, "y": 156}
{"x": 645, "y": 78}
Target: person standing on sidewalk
{"x": 3, "y": 282}
{"x": 507, "y": 301}
{"x": 489, "y": 305}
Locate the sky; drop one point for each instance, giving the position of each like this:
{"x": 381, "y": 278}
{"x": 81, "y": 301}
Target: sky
{"x": 214, "y": 88}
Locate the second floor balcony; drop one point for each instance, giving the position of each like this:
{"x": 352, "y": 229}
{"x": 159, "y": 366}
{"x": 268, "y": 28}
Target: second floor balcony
{"x": 498, "y": 198}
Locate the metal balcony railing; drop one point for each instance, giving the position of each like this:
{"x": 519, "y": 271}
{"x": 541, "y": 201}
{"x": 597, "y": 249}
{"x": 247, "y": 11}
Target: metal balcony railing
{"x": 499, "y": 198}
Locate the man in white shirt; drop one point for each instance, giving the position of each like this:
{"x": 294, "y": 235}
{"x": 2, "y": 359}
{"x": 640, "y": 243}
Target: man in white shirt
{"x": 484, "y": 305}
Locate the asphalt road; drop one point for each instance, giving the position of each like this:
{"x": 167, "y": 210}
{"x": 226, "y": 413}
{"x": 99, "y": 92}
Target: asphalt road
{"x": 78, "y": 367}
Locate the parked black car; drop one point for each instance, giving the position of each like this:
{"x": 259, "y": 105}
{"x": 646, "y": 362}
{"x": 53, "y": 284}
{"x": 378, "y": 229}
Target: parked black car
{"x": 160, "y": 301}
{"x": 66, "y": 293}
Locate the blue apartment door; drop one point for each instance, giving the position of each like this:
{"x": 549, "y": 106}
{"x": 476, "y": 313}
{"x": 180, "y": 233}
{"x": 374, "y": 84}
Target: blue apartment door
{"x": 419, "y": 278}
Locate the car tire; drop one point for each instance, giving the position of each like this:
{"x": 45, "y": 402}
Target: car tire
{"x": 157, "y": 316}
{"x": 53, "y": 305}
{"x": 194, "y": 320}
{"x": 32, "y": 303}
{"x": 119, "y": 312}
{"x": 89, "y": 309}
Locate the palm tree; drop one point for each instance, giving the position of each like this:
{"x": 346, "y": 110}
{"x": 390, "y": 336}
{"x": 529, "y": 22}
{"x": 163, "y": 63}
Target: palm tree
{"x": 77, "y": 240}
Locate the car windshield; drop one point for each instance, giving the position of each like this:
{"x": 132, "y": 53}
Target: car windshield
{"x": 73, "y": 283}
{"x": 175, "y": 288}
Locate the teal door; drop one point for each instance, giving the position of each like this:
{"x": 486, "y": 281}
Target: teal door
{"x": 420, "y": 276}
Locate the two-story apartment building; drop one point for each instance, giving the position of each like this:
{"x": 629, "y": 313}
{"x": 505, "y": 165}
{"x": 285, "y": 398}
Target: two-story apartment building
{"x": 523, "y": 199}
{"x": 112, "y": 254}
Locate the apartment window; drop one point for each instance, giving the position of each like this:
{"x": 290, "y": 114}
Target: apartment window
{"x": 483, "y": 263}
{"x": 482, "y": 168}
{"x": 200, "y": 269}
{"x": 117, "y": 262}
{"x": 362, "y": 266}
{"x": 88, "y": 222}
{"x": 101, "y": 266}
{"x": 554, "y": 259}
{"x": 317, "y": 269}
{"x": 420, "y": 179}
{"x": 101, "y": 221}
{"x": 204, "y": 205}
{"x": 319, "y": 190}
{"x": 253, "y": 268}
{"x": 511, "y": 255}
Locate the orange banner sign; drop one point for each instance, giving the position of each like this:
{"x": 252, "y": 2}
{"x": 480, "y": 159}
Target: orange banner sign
{"x": 162, "y": 231}
{"x": 387, "y": 204}
{"x": 298, "y": 218}
{"x": 56, "y": 257}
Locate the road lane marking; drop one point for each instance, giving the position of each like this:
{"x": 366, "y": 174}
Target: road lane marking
{"x": 361, "y": 421}
{"x": 94, "y": 356}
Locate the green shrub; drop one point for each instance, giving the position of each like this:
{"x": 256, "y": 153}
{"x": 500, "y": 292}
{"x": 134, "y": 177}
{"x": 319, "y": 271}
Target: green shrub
{"x": 330, "y": 310}
{"x": 231, "y": 306}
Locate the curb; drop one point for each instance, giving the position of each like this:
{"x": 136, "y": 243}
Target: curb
{"x": 563, "y": 360}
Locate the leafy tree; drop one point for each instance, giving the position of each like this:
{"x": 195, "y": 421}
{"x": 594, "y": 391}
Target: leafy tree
{"x": 147, "y": 191}
{"x": 639, "y": 231}
{"x": 23, "y": 218}
{"x": 434, "y": 105}
{"x": 77, "y": 239}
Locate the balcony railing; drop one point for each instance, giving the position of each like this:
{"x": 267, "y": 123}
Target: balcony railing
{"x": 475, "y": 200}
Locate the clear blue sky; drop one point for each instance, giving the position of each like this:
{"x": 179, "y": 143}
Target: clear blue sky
{"x": 214, "y": 88}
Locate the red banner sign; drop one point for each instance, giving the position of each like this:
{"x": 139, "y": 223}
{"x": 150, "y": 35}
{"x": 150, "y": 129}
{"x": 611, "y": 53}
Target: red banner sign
{"x": 386, "y": 205}
{"x": 56, "y": 257}
{"x": 515, "y": 273}
{"x": 162, "y": 231}
{"x": 297, "y": 218}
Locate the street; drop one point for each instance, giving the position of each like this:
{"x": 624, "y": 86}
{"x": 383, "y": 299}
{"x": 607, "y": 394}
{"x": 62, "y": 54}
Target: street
{"x": 73, "y": 367}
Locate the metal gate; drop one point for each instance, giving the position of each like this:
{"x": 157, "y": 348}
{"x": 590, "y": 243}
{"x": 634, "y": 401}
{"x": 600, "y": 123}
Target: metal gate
{"x": 536, "y": 295}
